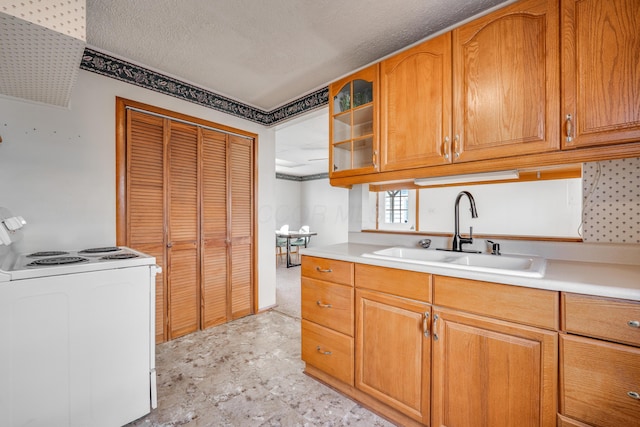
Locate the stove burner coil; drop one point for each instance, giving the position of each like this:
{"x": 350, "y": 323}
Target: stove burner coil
{"x": 47, "y": 253}
{"x": 99, "y": 250}
{"x": 125, "y": 255}
{"x": 61, "y": 260}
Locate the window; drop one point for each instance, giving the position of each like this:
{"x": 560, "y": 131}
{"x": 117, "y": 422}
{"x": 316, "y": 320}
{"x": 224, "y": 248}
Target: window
{"x": 396, "y": 206}
{"x": 394, "y": 209}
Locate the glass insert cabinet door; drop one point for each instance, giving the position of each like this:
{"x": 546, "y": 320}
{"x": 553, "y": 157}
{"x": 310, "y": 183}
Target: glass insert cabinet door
{"x": 353, "y": 112}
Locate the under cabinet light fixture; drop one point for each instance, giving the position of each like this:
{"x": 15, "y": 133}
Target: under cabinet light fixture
{"x": 472, "y": 177}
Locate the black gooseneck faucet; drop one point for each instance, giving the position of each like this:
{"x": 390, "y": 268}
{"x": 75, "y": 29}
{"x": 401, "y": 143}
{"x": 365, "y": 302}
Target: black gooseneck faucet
{"x": 458, "y": 240}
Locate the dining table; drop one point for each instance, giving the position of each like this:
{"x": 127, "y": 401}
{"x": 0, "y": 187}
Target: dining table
{"x": 294, "y": 235}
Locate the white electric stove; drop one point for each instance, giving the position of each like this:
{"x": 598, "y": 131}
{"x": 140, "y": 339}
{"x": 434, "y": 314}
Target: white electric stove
{"x": 77, "y": 334}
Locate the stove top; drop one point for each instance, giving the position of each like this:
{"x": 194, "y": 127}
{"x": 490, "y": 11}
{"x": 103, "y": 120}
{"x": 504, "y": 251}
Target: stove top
{"x": 48, "y": 263}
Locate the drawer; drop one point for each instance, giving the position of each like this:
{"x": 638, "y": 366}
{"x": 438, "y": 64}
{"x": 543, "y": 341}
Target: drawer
{"x": 598, "y": 317}
{"x": 595, "y": 379}
{"x": 403, "y": 283}
{"x": 328, "y": 350}
{"x": 330, "y": 270}
{"x": 568, "y": 422}
{"x": 535, "y": 307}
{"x": 328, "y": 304}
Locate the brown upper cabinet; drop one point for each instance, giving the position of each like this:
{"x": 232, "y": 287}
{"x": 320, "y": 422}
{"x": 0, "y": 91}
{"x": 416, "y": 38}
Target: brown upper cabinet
{"x": 415, "y": 106}
{"x": 486, "y": 90}
{"x": 353, "y": 124}
{"x": 600, "y": 72}
{"x": 521, "y": 87}
{"x": 505, "y": 83}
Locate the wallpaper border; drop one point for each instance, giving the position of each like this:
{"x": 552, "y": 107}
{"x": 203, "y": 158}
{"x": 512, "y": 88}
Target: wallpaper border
{"x": 301, "y": 178}
{"x": 119, "y": 69}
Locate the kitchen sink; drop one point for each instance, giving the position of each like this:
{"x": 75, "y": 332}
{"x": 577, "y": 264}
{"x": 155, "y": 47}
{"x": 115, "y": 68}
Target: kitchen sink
{"x": 514, "y": 265}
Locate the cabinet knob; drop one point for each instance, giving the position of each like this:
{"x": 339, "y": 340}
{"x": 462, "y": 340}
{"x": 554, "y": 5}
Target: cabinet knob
{"x": 326, "y": 353}
{"x": 634, "y": 395}
{"x": 169, "y": 245}
{"x": 456, "y": 147}
{"x": 634, "y": 323}
{"x": 322, "y": 305}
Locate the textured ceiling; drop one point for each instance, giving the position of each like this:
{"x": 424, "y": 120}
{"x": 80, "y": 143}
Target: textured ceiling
{"x": 266, "y": 53}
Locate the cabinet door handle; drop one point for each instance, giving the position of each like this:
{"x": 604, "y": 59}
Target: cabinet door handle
{"x": 322, "y": 305}
{"x": 446, "y": 147}
{"x": 375, "y": 159}
{"x": 456, "y": 148}
{"x": 326, "y": 353}
{"x": 634, "y": 395}
{"x": 634, "y": 323}
{"x": 425, "y": 324}
{"x": 435, "y": 322}
{"x": 320, "y": 270}
{"x": 569, "y": 128}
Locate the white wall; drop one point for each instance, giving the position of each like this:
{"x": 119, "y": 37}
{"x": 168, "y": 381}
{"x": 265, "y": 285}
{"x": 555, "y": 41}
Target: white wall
{"x": 57, "y": 169}
{"x": 288, "y": 205}
{"x": 326, "y": 210}
{"x": 537, "y": 208}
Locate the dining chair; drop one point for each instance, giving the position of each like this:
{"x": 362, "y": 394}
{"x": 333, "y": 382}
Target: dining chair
{"x": 301, "y": 241}
{"x": 281, "y": 243}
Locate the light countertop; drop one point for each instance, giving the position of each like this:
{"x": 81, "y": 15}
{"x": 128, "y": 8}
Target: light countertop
{"x": 592, "y": 278}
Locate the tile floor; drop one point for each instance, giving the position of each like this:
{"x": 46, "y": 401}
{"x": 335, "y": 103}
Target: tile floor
{"x": 248, "y": 373}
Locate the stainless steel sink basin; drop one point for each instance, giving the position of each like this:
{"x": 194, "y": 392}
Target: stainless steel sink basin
{"x": 514, "y": 265}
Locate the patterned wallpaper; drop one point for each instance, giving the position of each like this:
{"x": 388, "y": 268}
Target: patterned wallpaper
{"x": 611, "y": 200}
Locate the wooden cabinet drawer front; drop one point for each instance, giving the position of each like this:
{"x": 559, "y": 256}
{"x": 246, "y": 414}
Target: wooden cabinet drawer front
{"x": 599, "y": 317}
{"x": 535, "y": 307}
{"x": 568, "y": 422}
{"x": 596, "y": 378}
{"x": 328, "y": 350}
{"x": 403, "y": 283}
{"x": 330, "y": 270}
{"x": 328, "y": 304}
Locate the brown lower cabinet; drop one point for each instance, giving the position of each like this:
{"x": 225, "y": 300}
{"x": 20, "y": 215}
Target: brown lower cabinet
{"x": 421, "y": 349}
{"x": 393, "y": 332}
{"x": 495, "y": 352}
{"x": 488, "y": 372}
{"x": 599, "y": 362}
{"x": 427, "y": 355}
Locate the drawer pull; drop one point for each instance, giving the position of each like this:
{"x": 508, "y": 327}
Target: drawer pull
{"x": 320, "y": 270}
{"x": 634, "y": 323}
{"x": 326, "y": 353}
{"x": 425, "y": 324}
{"x": 322, "y": 305}
{"x": 634, "y": 395}
{"x": 569, "y": 128}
